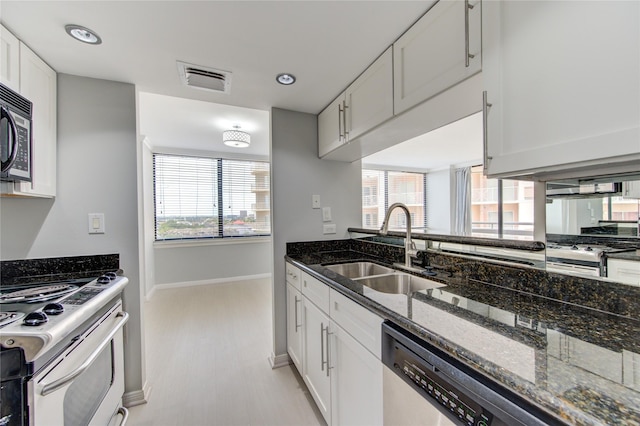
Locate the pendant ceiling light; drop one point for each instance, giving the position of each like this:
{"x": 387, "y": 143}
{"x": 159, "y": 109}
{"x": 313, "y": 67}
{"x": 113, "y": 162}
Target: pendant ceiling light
{"x": 235, "y": 138}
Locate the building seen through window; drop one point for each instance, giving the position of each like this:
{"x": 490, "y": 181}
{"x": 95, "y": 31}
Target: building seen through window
{"x": 513, "y": 197}
{"x": 381, "y": 188}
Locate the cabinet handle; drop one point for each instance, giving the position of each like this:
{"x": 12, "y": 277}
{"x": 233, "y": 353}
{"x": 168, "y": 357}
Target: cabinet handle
{"x": 344, "y": 115}
{"x": 322, "y": 361}
{"x": 295, "y": 308}
{"x": 468, "y": 55}
{"x": 340, "y": 115}
{"x": 328, "y": 352}
{"x": 485, "y": 132}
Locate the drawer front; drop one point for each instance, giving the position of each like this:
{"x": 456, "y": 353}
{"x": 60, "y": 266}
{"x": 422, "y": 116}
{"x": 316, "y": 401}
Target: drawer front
{"x": 362, "y": 324}
{"x": 316, "y": 291}
{"x": 293, "y": 275}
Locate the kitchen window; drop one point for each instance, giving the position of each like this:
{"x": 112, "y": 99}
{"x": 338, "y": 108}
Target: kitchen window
{"x": 494, "y": 198}
{"x": 200, "y": 198}
{"x": 382, "y": 188}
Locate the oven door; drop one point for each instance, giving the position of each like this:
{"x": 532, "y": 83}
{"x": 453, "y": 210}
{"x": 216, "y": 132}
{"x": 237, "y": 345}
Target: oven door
{"x": 85, "y": 384}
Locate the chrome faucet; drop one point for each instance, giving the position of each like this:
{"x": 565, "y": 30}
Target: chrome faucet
{"x": 410, "y": 250}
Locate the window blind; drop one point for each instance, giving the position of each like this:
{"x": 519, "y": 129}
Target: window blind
{"x": 245, "y": 188}
{"x": 199, "y": 197}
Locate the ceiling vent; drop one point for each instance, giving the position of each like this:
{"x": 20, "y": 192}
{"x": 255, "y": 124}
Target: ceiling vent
{"x": 204, "y": 78}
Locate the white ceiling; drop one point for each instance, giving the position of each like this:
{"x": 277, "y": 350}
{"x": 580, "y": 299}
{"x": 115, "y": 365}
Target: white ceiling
{"x": 172, "y": 123}
{"x": 326, "y": 44}
{"x": 457, "y": 144}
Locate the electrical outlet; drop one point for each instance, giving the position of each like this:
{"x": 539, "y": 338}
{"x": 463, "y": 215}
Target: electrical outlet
{"x": 315, "y": 201}
{"x": 329, "y": 228}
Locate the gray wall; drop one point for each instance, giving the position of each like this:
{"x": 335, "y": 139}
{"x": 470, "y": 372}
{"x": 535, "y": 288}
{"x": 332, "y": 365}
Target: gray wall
{"x": 96, "y": 174}
{"x": 296, "y": 174}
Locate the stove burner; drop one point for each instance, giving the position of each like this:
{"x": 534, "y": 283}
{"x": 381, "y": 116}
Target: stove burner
{"x": 37, "y": 294}
{"x": 9, "y": 317}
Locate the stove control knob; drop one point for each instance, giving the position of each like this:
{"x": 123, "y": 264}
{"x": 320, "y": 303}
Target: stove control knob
{"x": 111, "y": 275}
{"x": 53, "y": 309}
{"x": 574, "y": 247}
{"x": 103, "y": 280}
{"x": 588, "y": 249}
{"x": 35, "y": 319}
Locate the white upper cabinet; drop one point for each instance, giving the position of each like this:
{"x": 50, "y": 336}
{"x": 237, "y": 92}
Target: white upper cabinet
{"x": 331, "y": 126}
{"x": 366, "y": 103}
{"x": 440, "y": 50}
{"x": 561, "y": 78}
{"x": 10, "y": 60}
{"x": 369, "y": 98}
{"x": 30, "y": 76}
{"x": 38, "y": 84}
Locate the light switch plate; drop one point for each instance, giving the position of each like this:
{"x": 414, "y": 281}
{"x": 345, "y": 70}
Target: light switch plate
{"x": 329, "y": 228}
{"x": 326, "y": 214}
{"x": 315, "y": 201}
{"x": 96, "y": 223}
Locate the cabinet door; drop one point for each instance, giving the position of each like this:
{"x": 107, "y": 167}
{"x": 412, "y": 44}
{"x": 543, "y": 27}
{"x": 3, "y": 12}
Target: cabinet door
{"x": 440, "y": 50}
{"x": 331, "y": 126}
{"x": 294, "y": 326}
{"x": 356, "y": 381}
{"x": 562, "y": 94}
{"x": 624, "y": 271}
{"x": 369, "y": 99}
{"x": 631, "y": 189}
{"x": 38, "y": 84}
{"x": 315, "y": 355}
{"x": 9, "y": 60}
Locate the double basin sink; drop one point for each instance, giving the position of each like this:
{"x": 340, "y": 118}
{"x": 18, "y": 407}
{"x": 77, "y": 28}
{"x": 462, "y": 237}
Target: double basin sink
{"x": 383, "y": 279}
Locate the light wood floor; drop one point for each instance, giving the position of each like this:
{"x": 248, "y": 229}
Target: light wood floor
{"x": 207, "y": 351}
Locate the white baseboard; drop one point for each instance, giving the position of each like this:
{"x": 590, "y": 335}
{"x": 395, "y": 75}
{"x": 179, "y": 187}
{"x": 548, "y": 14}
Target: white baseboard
{"x": 278, "y": 361}
{"x": 137, "y": 397}
{"x": 205, "y": 282}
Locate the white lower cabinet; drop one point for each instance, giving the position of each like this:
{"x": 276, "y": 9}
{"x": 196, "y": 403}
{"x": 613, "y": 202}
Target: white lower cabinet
{"x": 356, "y": 381}
{"x": 294, "y": 325}
{"x": 339, "y": 352}
{"x": 315, "y": 371}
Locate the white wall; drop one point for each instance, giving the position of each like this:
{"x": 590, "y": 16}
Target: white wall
{"x": 96, "y": 174}
{"x": 439, "y": 201}
{"x": 191, "y": 264}
{"x": 296, "y": 174}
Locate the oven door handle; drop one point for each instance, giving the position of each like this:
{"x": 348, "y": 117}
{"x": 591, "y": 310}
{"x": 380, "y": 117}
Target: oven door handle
{"x": 57, "y": 384}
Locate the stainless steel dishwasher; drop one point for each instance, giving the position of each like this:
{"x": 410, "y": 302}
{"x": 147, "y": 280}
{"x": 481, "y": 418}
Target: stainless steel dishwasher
{"x": 424, "y": 386}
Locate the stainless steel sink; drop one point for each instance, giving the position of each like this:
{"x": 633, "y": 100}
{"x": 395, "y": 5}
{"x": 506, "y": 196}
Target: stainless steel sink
{"x": 398, "y": 283}
{"x": 359, "y": 269}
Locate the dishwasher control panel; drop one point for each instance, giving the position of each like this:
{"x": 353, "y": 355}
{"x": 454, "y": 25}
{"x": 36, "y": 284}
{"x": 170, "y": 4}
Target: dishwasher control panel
{"x": 425, "y": 378}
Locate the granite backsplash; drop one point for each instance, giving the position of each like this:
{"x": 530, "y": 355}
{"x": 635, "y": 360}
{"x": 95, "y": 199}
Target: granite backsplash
{"x": 618, "y": 299}
{"x": 16, "y": 272}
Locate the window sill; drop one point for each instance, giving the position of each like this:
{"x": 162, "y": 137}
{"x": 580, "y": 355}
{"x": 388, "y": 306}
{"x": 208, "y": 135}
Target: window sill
{"x": 210, "y": 242}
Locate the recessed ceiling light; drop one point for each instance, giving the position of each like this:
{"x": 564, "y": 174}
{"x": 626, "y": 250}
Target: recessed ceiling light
{"x": 286, "y": 79}
{"x": 83, "y": 34}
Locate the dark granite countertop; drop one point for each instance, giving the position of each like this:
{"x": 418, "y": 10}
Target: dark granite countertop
{"x": 580, "y": 364}
{"x": 487, "y": 242}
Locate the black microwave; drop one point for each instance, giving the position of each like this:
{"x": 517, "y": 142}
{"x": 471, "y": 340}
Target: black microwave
{"x": 15, "y": 136}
